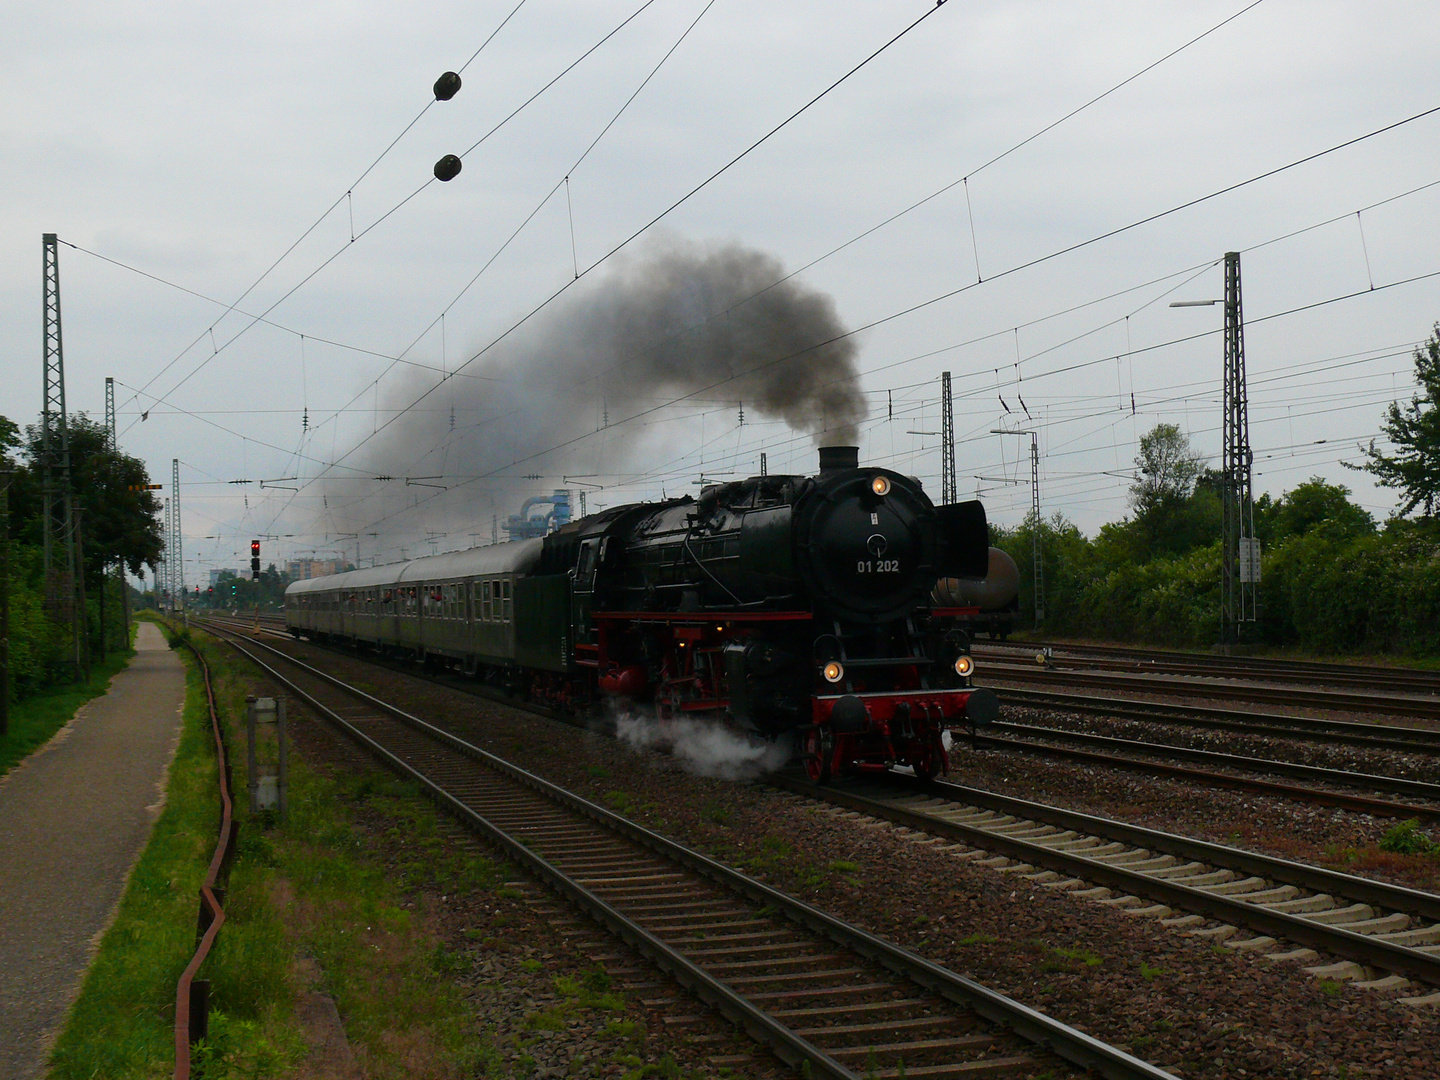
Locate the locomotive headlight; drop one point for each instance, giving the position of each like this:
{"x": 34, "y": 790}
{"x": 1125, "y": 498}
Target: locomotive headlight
{"x": 880, "y": 485}
{"x": 964, "y": 666}
{"x": 834, "y": 671}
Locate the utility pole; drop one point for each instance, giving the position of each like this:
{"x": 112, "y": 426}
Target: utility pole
{"x": 1036, "y": 549}
{"x": 162, "y": 579}
{"x": 949, "y": 489}
{"x": 1240, "y": 560}
{"x": 175, "y": 511}
{"x": 1035, "y": 535}
{"x": 59, "y": 516}
{"x": 120, "y": 560}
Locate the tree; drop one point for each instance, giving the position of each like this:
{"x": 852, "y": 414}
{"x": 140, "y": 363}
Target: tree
{"x": 1169, "y": 467}
{"x": 117, "y": 520}
{"x": 1176, "y": 507}
{"x": 1311, "y": 505}
{"x": 1414, "y": 431}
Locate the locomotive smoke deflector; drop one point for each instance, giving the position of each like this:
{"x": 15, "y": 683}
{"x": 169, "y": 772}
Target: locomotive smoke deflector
{"x": 964, "y": 540}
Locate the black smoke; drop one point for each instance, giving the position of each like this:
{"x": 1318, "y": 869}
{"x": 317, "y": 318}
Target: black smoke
{"x": 675, "y": 319}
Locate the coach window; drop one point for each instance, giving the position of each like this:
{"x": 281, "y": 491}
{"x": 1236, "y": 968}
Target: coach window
{"x": 505, "y": 594}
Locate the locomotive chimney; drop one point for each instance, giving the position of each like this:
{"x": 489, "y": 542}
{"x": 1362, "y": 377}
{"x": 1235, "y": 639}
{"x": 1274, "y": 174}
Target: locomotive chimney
{"x": 833, "y": 458}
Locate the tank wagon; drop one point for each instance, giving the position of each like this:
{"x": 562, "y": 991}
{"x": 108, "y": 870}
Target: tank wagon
{"x": 995, "y": 597}
{"x": 788, "y": 606}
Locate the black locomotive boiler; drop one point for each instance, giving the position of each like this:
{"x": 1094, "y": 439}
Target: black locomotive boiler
{"x": 786, "y": 605}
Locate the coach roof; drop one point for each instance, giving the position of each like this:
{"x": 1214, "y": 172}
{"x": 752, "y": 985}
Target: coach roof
{"x": 516, "y": 557}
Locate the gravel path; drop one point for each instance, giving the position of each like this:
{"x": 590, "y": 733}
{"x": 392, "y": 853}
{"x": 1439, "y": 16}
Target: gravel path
{"x": 74, "y": 817}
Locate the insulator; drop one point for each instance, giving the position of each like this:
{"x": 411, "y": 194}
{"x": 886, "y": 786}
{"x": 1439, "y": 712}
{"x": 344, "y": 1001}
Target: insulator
{"x": 447, "y": 86}
{"x": 447, "y": 168}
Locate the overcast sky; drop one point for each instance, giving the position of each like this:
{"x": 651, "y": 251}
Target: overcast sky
{"x": 179, "y": 150}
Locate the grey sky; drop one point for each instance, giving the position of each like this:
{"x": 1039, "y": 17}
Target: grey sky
{"x": 197, "y": 142}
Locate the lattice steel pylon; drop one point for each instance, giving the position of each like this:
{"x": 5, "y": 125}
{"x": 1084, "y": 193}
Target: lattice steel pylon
{"x": 119, "y": 568}
{"x": 162, "y": 580}
{"x": 1038, "y": 553}
{"x": 949, "y": 489}
{"x": 59, "y": 509}
{"x": 1240, "y": 555}
{"x": 179, "y": 570}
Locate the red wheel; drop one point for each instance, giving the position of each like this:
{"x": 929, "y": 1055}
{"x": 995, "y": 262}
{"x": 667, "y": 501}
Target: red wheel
{"x": 818, "y": 752}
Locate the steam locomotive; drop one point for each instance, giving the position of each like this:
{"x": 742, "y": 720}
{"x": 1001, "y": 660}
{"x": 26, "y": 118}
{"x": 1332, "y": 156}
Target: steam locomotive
{"x": 789, "y": 606}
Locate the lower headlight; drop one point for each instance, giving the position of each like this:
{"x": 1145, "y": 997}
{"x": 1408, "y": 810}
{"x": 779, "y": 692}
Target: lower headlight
{"x": 964, "y": 666}
{"x": 834, "y": 671}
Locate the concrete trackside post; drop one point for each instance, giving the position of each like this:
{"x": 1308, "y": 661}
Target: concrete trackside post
{"x": 267, "y": 755}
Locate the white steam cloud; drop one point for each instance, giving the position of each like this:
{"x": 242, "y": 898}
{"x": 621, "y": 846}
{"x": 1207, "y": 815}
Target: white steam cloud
{"x": 703, "y": 749}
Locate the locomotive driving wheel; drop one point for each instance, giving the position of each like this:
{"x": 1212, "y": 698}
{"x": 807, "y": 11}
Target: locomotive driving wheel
{"x": 818, "y": 752}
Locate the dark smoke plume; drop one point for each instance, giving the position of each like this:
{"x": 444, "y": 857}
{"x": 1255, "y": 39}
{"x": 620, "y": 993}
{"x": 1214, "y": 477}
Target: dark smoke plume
{"x": 676, "y": 318}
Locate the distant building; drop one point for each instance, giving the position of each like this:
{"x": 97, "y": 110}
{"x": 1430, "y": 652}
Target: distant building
{"x": 216, "y": 575}
{"x": 305, "y": 569}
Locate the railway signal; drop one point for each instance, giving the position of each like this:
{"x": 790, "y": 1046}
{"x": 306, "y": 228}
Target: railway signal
{"x": 254, "y": 560}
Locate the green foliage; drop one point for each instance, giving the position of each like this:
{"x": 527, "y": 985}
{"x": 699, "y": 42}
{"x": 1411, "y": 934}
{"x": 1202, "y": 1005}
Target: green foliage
{"x": 1333, "y": 583}
{"x": 1407, "y": 839}
{"x": 117, "y": 523}
{"x": 41, "y": 715}
{"x": 1414, "y": 468}
{"x": 1167, "y": 468}
{"x": 1312, "y": 505}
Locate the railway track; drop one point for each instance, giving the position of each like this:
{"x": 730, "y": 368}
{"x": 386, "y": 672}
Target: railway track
{"x": 1026, "y": 744}
{"x": 1341, "y": 926}
{"x": 1167, "y": 685}
{"x": 826, "y": 997}
{"x": 1353, "y": 733}
{"x": 1309, "y": 672}
{"x": 1111, "y": 752}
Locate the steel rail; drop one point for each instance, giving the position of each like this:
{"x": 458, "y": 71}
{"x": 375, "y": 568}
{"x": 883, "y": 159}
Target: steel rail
{"x": 1304, "y": 728}
{"x": 1193, "y": 686}
{"x": 1331, "y": 939}
{"x": 1379, "y": 677}
{"x": 1397, "y": 785}
{"x": 1069, "y": 1043}
{"x": 1360, "y": 803}
{"x": 1303, "y": 875}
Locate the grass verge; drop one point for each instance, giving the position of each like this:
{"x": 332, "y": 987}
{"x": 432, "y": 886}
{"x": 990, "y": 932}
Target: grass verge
{"x": 37, "y": 718}
{"x": 304, "y": 895}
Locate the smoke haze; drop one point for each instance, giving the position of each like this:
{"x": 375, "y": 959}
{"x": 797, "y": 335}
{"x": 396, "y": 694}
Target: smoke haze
{"x": 673, "y": 319}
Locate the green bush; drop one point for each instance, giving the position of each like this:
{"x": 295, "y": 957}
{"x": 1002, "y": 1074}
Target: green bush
{"x": 1407, "y": 839}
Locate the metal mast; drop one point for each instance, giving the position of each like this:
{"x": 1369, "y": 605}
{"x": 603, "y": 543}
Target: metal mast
{"x": 1035, "y": 528}
{"x": 162, "y": 582}
{"x": 1240, "y": 562}
{"x": 179, "y": 570}
{"x": 59, "y": 512}
{"x": 948, "y": 487}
